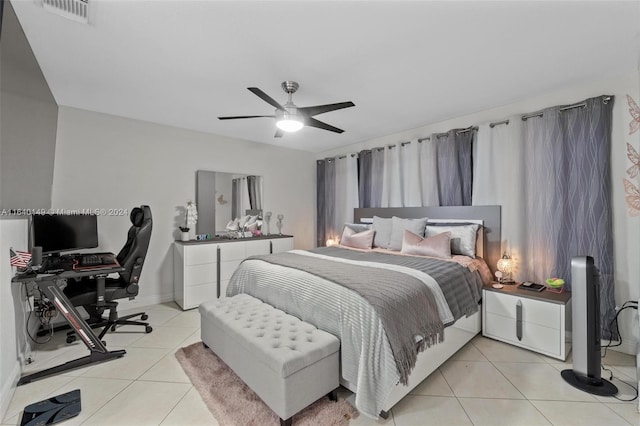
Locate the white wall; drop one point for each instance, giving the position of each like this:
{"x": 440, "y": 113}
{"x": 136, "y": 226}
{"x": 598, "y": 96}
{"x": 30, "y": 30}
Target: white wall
{"x": 103, "y": 161}
{"x": 13, "y": 233}
{"x": 626, "y": 228}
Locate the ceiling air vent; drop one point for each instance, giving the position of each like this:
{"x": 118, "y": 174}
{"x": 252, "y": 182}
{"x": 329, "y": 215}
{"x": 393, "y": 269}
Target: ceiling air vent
{"x": 77, "y": 10}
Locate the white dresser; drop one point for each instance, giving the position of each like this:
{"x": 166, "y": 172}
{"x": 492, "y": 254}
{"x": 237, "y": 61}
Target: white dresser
{"x": 202, "y": 269}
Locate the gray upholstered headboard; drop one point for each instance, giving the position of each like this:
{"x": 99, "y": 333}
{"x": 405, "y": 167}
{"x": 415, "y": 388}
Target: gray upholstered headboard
{"x": 490, "y": 215}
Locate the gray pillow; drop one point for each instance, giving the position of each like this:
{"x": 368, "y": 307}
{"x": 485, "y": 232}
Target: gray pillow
{"x": 399, "y": 225}
{"x": 382, "y": 227}
{"x": 463, "y": 237}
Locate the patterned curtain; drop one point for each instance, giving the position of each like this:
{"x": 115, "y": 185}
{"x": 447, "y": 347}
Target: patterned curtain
{"x": 567, "y": 184}
{"x": 454, "y": 153}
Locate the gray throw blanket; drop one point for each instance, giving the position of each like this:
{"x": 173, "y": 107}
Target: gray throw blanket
{"x": 405, "y": 305}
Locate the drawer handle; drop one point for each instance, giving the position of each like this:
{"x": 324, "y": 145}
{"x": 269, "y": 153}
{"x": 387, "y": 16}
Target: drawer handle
{"x": 519, "y": 320}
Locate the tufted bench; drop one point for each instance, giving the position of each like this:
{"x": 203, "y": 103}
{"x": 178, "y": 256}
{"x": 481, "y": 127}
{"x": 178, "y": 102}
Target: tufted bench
{"x": 287, "y": 362}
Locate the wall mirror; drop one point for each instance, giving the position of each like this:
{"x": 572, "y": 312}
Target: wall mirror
{"x": 222, "y": 197}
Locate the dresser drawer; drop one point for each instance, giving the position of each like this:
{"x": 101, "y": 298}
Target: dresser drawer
{"x": 535, "y": 337}
{"x": 258, "y": 247}
{"x": 228, "y": 268}
{"x": 195, "y": 295}
{"x": 233, "y": 251}
{"x": 278, "y": 245}
{"x": 199, "y": 254}
{"x": 200, "y": 274}
{"x": 533, "y": 311}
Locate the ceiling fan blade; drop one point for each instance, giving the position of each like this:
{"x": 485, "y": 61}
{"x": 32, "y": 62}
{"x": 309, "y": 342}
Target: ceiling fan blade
{"x": 312, "y": 122}
{"x": 279, "y": 133}
{"x": 320, "y": 109}
{"x": 268, "y": 99}
{"x": 245, "y": 116}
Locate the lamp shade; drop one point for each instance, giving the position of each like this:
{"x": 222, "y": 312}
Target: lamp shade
{"x": 289, "y": 123}
{"x": 505, "y": 264}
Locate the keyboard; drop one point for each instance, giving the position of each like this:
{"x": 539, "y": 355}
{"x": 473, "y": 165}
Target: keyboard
{"x": 55, "y": 264}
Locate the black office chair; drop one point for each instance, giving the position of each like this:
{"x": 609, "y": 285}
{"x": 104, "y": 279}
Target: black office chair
{"x": 95, "y": 294}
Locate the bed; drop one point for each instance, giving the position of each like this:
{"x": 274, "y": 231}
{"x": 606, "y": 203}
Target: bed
{"x": 381, "y": 366}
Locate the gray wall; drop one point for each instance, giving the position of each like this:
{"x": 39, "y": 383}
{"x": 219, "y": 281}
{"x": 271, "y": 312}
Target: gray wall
{"x": 28, "y": 121}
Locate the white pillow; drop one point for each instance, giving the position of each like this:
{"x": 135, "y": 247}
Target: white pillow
{"x": 399, "y": 225}
{"x": 463, "y": 237}
{"x": 382, "y": 228}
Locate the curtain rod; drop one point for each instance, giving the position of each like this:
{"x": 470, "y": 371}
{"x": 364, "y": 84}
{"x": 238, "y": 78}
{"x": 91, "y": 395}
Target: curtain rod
{"x": 497, "y": 123}
{"x": 605, "y": 100}
{"x": 344, "y": 156}
{"x": 424, "y": 139}
{"x": 405, "y": 143}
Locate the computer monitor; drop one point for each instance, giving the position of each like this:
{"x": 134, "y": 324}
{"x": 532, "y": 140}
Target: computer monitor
{"x": 56, "y": 233}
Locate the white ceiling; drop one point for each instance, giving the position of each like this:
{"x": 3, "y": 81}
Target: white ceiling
{"x": 404, "y": 64}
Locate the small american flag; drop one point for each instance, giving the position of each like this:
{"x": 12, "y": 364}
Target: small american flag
{"x": 19, "y": 259}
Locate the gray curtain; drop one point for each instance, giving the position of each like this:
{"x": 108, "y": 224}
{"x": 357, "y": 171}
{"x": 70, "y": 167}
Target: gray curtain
{"x": 568, "y": 195}
{"x": 234, "y": 199}
{"x": 377, "y": 168}
{"x": 255, "y": 192}
{"x": 364, "y": 177}
{"x": 454, "y": 153}
{"x": 325, "y": 199}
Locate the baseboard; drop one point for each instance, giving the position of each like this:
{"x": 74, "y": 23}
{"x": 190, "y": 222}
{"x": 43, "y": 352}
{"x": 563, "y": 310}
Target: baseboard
{"x": 628, "y": 346}
{"x": 7, "y": 389}
{"x": 141, "y": 301}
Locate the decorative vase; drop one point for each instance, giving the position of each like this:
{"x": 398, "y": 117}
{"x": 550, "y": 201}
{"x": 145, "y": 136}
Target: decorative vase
{"x": 279, "y": 223}
{"x": 184, "y": 236}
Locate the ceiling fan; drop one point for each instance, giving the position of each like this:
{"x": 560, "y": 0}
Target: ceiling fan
{"x": 289, "y": 117}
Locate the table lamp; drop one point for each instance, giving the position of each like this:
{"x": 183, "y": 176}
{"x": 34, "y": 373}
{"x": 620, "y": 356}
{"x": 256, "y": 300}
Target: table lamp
{"x": 505, "y": 265}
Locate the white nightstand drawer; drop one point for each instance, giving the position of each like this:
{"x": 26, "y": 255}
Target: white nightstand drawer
{"x": 198, "y": 254}
{"x": 536, "y": 337}
{"x": 278, "y": 245}
{"x": 533, "y": 311}
{"x": 200, "y": 274}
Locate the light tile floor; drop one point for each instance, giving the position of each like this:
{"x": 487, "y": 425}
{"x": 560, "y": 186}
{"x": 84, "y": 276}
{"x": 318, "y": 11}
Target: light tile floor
{"x": 485, "y": 383}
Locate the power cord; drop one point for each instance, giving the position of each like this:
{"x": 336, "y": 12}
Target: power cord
{"x": 45, "y": 312}
{"x": 629, "y": 304}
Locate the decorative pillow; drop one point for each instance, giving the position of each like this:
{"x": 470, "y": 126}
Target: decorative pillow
{"x": 437, "y": 246}
{"x": 358, "y": 227}
{"x": 463, "y": 237}
{"x": 382, "y": 228}
{"x": 360, "y": 240}
{"x": 399, "y": 225}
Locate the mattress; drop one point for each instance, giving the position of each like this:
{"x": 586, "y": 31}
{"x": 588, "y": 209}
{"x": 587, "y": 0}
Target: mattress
{"x": 367, "y": 357}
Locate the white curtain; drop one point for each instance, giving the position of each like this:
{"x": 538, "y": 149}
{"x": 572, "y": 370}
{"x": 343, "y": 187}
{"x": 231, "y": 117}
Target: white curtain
{"x": 428, "y": 172}
{"x": 410, "y": 173}
{"x": 346, "y": 192}
{"x": 502, "y": 182}
{"x": 241, "y": 197}
{"x": 391, "y": 178}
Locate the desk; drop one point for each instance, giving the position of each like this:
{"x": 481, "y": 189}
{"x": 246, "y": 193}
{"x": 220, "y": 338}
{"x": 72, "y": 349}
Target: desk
{"x": 51, "y": 286}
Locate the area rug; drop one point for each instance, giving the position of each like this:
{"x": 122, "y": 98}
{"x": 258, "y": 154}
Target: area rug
{"x": 233, "y": 403}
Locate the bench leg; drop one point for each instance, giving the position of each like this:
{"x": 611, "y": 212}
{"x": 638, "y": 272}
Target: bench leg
{"x": 205, "y": 345}
{"x": 333, "y": 395}
{"x": 384, "y": 414}
{"x": 286, "y": 422}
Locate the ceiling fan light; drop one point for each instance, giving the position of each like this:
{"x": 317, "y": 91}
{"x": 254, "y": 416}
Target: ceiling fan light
{"x": 289, "y": 124}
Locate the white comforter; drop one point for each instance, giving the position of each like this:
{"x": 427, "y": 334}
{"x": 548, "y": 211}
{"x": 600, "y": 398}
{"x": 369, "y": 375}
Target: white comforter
{"x": 366, "y": 358}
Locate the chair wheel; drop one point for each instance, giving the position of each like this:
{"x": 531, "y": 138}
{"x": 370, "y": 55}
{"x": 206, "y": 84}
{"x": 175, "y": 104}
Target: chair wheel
{"x": 113, "y": 328}
{"x": 144, "y": 317}
{"x": 148, "y": 329}
{"x": 104, "y": 342}
{"x": 71, "y": 339}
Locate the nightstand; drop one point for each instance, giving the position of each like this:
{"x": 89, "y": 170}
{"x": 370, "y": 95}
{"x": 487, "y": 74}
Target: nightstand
{"x": 537, "y": 321}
